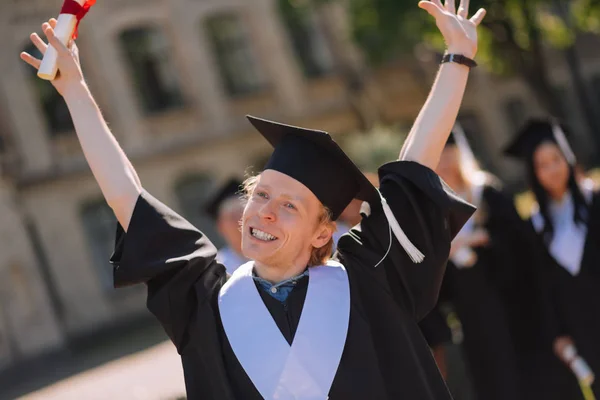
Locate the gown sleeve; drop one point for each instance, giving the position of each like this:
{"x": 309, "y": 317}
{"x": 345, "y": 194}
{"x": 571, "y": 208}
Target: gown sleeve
{"x": 435, "y": 329}
{"x": 430, "y": 214}
{"x": 174, "y": 259}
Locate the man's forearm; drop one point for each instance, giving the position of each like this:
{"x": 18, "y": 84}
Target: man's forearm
{"x": 432, "y": 127}
{"x": 112, "y": 169}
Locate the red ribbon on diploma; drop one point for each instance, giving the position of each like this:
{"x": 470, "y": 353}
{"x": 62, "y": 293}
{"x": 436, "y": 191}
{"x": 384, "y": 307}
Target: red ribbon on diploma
{"x": 74, "y": 8}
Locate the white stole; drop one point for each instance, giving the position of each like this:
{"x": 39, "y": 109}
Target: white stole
{"x": 306, "y": 369}
{"x": 568, "y": 241}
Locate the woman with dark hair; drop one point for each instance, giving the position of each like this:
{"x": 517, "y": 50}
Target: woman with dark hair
{"x": 566, "y": 221}
{"x": 490, "y": 282}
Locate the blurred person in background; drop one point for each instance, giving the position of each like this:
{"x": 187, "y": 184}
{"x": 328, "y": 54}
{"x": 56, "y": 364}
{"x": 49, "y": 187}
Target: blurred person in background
{"x": 566, "y": 221}
{"x": 226, "y": 207}
{"x": 236, "y": 335}
{"x": 489, "y": 282}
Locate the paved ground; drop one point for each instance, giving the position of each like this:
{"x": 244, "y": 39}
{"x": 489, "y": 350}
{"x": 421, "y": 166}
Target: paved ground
{"x": 152, "y": 374}
{"x": 137, "y": 363}
{"x": 156, "y": 374}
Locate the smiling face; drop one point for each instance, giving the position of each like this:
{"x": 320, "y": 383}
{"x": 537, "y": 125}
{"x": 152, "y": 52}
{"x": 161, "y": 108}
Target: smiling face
{"x": 281, "y": 224}
{"x": 551, "y": 169}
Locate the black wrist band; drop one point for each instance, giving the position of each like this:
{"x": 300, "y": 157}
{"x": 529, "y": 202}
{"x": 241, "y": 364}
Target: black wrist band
{"x": 459, "y": 59}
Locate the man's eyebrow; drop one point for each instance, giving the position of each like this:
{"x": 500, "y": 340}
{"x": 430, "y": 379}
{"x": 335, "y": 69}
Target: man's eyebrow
{"x": 292, "y": 197}
{"x": 284, "y": 195}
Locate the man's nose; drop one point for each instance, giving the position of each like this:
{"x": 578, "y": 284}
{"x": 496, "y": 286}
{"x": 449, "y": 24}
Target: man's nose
{"x": 267, "y": 212}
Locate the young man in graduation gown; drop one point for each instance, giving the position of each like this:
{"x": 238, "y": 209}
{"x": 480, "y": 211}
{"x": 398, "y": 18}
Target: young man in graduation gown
{"x": 293, "y": 324}
{"x": 226, "y": 208}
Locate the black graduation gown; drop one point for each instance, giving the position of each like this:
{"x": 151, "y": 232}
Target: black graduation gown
{"x": 435, "y": 329}
{"x": 385, "y": 355}
{"x": 497, "y": 302}
{"x": 574, "y": 301}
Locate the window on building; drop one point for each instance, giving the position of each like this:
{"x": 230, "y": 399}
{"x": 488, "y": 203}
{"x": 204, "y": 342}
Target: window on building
{"x": 514, "y": 109}
{"x": 154, "y": 74}
{"x": 52, "y": 104}
{"x": 307, "y": 38}
{"x": 234, "y": 55}
{"x": 193, "y": 193}
{"x": 99, "y": 225}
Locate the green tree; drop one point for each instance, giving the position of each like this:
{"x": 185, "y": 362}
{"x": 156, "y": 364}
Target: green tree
{"x": 513, "y": 39}
{"x": 576, "y": 18}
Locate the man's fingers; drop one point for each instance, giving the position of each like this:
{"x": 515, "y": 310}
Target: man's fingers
{"x": 31, "y": 60}
{"x": 38, "y": 43}
{"x": 478, "y": 17}
{"x": 430, "y": 6}
{"x": 451, "y": 6}
{"x": 52, "y": 23}
{"x": 463, "y": 9}
{"x": 61, "y": 49}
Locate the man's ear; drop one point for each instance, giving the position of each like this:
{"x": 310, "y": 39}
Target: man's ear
{"x": 324, "y": 235}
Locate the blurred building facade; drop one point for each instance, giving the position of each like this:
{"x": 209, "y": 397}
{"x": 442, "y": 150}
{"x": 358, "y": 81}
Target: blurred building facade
{"x": 174, "y": 79}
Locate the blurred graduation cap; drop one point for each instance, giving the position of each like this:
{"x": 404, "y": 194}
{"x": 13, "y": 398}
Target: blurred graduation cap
{"x": 312, "y": 158}
{"x": 229, "y": 189}
{"x": 535, "y": 132}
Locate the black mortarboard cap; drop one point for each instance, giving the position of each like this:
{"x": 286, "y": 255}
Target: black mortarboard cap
{"x": 229, "y": 189}
{"x": 535, "y": 132}
{"x": 315, "y": 160}
{"x": 312, "y": 158}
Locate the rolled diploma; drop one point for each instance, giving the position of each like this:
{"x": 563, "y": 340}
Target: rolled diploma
{"x": 65, "y": 25}
{"x": 578, "y": 365}
{"x": 582, "y": 371}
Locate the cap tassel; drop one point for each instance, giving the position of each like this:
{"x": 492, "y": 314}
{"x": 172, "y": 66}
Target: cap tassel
{"x": 415, "y": 255}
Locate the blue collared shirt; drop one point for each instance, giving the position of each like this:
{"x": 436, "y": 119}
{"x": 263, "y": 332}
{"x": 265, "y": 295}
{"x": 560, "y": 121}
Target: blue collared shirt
{"x": 281, "y": 290}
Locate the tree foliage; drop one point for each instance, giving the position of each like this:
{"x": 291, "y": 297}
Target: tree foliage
{"x": 513, "y": 36}
{"x": 514, "y": 39}
{"x": 386, "y": 28}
